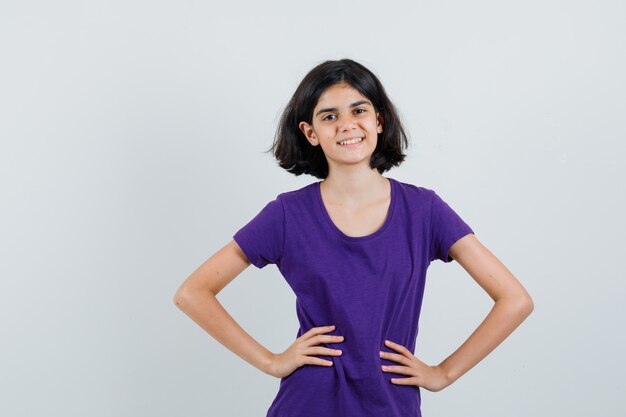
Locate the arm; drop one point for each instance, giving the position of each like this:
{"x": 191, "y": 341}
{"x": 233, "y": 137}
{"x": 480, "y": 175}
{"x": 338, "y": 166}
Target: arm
{"x": 196, "y": 297}
{"x": 512, "y": 306}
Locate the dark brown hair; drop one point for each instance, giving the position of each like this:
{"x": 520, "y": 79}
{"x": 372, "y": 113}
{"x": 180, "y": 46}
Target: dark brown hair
{"x": 294, "y": 152}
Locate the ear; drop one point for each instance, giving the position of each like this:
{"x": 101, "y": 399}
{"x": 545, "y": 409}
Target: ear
{"x": 307, "y": 129}
{"x": 380, "y": 121}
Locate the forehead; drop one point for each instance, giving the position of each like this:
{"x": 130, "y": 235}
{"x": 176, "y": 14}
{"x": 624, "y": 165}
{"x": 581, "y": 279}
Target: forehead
{"x": 340, "y": 93}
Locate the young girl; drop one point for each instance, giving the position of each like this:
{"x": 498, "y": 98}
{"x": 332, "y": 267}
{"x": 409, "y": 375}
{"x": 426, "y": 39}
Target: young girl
{"x": 355, "y": 248}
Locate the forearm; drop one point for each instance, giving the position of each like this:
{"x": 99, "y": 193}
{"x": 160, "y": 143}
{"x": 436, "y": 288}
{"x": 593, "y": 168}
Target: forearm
{"x": 505, "y": 316}
{"x": 209, "y": 314}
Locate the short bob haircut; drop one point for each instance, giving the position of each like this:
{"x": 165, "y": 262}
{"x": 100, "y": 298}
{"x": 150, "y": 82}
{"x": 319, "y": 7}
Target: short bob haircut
{"x": 294, "y": 152}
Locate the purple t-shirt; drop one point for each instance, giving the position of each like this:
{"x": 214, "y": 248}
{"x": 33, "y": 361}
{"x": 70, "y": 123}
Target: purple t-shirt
{"x": 369, "y": 287}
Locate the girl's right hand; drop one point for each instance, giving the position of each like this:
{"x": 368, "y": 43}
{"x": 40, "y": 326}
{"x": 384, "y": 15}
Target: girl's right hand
{"x": 299, "y": 352}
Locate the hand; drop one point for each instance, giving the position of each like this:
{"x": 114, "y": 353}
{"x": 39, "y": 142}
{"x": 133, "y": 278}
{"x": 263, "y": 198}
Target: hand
{"x": 297, "y": 355}
{"x": 432, "y": 378}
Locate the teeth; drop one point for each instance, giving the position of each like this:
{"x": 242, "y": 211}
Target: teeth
{"x": 348, "y": 142}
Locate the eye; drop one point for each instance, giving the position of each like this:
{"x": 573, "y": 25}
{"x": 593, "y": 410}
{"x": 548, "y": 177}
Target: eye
{"x": 327, "y": 116}
{"x": 362, "y": 111}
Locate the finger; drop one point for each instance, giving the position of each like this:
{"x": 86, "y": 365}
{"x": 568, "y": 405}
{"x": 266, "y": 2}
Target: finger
{"x": 403, "y": 381}
{"x": 318, "y": 350}
{"x": 318, "y": 330}
{"x": 398, "y": 347}
{"x": 320, "y": 339}
{"x": 403, "y": 370}
{"x": 312, "y": 360}
{"x": 395, "y": 357}
{"x": 325, "y": 338}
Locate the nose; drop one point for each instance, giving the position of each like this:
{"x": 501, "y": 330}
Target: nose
{"x": 347, "y": 122}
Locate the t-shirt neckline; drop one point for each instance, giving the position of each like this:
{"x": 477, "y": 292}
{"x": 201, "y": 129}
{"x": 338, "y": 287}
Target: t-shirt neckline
{"x": 342, "y": 235}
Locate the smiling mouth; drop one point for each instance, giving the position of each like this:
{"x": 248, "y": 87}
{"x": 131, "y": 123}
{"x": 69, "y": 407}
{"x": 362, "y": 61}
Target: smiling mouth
{"x": 349, "y": 142}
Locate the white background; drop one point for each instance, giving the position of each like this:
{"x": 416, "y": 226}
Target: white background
{"x": 132, "y": 137}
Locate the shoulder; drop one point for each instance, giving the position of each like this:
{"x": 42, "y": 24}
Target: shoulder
{"x": 296, "y": 196}
{"x": 415, "y": 192}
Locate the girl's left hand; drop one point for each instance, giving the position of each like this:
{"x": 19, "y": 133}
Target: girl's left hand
{"x": 431, "y": 378}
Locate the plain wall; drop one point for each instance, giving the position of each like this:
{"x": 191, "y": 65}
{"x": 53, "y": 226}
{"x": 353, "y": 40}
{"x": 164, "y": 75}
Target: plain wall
{"x": 132, "y": 137}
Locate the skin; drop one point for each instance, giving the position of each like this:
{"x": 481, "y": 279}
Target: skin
{"x": 352, "y": 185}
{"x": 512, "y": 304}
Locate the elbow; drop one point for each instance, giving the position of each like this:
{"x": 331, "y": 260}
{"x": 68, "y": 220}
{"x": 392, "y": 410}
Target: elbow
{"x": 186, "y": 296}
{"x": 530, "y": 305}
{"x": 525, "y": 305}
{"x": 521, "y": 305}
{"x": 181, "y": 297}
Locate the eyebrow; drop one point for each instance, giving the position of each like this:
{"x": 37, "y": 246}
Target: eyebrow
{"x": 356, "y": 103}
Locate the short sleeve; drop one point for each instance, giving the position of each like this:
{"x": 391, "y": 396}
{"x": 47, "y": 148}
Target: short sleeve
{"x": 262, "y": 238}
{"x": 446, "y": 227}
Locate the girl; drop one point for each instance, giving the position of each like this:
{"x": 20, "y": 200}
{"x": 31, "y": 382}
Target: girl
{"x": 355, "y": 248}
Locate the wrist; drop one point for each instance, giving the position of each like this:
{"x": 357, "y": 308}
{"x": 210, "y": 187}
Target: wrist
{"x": 266, "y": 365}
{"x": 447, "y": 374}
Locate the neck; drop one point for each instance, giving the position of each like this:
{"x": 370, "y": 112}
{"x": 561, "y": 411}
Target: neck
{"x": 355, "y": 188}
